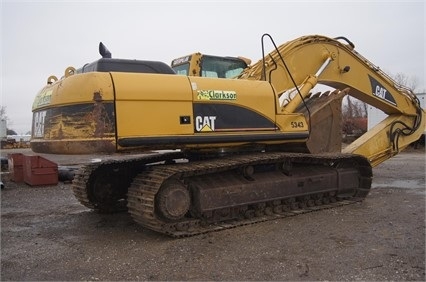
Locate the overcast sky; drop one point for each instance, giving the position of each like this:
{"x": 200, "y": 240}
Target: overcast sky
{"x": 42, "y": 38}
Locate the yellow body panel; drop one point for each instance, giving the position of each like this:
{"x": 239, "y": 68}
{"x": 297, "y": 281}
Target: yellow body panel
{"x": 151, "y": 104}
{"x": 150, "y": 118}
{"x": 255, "y": 95}
{"x": 94, "y": 85}
{"x": 75, "y": 115}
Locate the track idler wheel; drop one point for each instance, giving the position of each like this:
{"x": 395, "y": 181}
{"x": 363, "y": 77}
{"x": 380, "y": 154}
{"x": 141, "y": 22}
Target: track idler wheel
{"x": 173, "y": 200}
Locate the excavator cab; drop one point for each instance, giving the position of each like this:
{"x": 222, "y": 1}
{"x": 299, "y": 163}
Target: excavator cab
{"x": 198, "y": 64}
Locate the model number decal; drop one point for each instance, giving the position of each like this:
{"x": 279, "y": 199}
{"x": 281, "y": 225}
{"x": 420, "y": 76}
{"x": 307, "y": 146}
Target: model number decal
{"x": 298, "y": 124}
{"x": 216, "y": 95}
{"x": 205, "y": 123}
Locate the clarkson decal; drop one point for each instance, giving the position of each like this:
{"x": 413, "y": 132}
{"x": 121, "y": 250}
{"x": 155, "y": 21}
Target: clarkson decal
{"x": 216, "y": 95}
{"x": 43, "y": 99}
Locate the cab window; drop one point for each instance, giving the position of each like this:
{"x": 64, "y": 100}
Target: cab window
{"x": 221, "y": 67}
{"x": 182, "y": 69}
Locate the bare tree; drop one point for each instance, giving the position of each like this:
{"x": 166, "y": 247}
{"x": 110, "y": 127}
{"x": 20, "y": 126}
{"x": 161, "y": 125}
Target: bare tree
{"x": 410, "y": 82}
{"x": 354, "y": 114}
{"x": 354, "y": 108}
{"x": 3, "y": 115}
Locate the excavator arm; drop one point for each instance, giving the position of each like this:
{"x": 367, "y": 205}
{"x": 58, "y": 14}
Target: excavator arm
{"x": 297, "y": 66}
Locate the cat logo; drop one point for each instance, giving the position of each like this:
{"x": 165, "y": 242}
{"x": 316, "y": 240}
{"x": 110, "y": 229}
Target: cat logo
{"x": 205, "y": 123}
{"x": 381, "y": 92}
{"x": 38, "y": 123}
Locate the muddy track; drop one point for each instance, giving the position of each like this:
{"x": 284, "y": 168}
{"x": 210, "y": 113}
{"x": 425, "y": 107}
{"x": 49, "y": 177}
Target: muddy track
{"x": 85, "y": 180}
{"x": 144, "y": 189}
{"x": 148, "y": 178}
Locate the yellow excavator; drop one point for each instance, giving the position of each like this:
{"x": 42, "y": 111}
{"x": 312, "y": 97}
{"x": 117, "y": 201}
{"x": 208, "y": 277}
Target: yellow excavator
{"x": 235, "y": 143}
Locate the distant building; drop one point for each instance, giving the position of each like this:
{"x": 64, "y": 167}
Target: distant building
{"x": 20, "y": 137}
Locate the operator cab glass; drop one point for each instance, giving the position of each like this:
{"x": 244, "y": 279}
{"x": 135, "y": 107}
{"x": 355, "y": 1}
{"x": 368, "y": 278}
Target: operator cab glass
{"x": 181, "y": 69}
{"x": 211, "y": 66}
{"x": 221, "y": 67}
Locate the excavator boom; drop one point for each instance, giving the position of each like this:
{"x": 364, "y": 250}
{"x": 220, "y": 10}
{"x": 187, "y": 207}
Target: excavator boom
{"x": 318, "y": 59}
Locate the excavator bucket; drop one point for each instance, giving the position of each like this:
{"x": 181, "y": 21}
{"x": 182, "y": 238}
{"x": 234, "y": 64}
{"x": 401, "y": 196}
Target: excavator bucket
{"x": 325, "y": 119}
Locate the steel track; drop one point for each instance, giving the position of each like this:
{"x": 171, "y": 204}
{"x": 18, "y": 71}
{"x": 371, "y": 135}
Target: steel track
{"x": 142, "y": 193}
{"x": 84, "y": 178}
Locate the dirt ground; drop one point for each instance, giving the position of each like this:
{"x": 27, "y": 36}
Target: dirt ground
{"x": 47, "y": 235}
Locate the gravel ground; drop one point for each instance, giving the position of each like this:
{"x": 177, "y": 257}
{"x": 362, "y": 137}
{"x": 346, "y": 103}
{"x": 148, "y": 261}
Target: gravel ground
{"x": 47, "y": 235}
